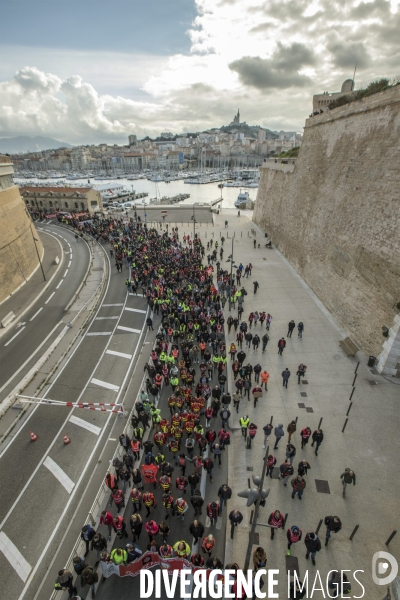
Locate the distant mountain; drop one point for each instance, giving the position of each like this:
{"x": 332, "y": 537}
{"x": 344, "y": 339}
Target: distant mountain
{"x": 22, "y": 144}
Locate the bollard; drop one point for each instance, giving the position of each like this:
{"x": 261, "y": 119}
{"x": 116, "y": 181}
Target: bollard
{"x": 241, "y": 233}
{"x": 354, "y": 380}
{"x": 356, "y": 368}
{"x": 271, "y": 420}
{"x": 319, "y": 424}
{"x": 296, "y": 420}
{"x": 285, "y": 519}
{"x": 353, "y": 533}
{"x": 319, "y": 526}
{"x": 391, "y": 536}
{"x": 352, "y": 392}
{"x": 344, "y": 426}
{"x": 348, "y": 410}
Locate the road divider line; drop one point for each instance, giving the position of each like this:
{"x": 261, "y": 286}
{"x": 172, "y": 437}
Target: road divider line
{"x": 82, "y": 423}
{"x": 121, "y": 304}
{"x": 14, "y": 336}
{"x": 59, "y": 474}
{"x": 135, "y": 310}
{"x": 36, "y": 314}
{"x": 129, "y": 329}
{"x": 99, "y": 333}
{"x": 49, "y": 298}
{"x": 14, "y": 557}
{"x": 29, "y": 374}
{"x": 69, "y": 264}
{"x": 66, "y": 272}
{"x": 105, "y": 384}
{"x": 59, "y": 284}
{"x": 105, "y": 318}
{"x": 121, "y": 354}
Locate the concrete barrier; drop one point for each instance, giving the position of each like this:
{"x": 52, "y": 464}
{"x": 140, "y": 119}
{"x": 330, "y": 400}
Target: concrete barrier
{"x": 7, "y": 319}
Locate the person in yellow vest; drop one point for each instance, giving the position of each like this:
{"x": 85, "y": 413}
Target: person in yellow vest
{"x": 244, "y": 424}
{"x": 118, "y": 556}
{"x": 182, "y": 549}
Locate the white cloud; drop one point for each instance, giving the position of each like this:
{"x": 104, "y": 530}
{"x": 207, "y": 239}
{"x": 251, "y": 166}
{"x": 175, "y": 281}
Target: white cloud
{"x": 267, "y": 58}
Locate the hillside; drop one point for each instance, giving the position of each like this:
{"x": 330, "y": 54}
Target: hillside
{"x": 23, "y": 143}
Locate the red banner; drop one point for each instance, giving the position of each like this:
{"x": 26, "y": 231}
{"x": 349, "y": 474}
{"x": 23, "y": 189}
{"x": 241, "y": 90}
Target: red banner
{"x": 148, "y": 561}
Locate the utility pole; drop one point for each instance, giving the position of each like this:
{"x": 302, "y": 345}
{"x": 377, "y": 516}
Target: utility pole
{"x": 230, "y": 282}
{"x": 255, "y": 516}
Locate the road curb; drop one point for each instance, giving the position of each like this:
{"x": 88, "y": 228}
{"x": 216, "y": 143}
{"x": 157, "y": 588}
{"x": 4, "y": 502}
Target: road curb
{"x": 11, "y": 398}
{"x": 4, "y": 330}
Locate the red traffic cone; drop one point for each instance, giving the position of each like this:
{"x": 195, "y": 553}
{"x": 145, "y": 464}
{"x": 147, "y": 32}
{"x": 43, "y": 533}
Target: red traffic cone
{"x": 33, "y": 437}
{"x": 66, "y": 440}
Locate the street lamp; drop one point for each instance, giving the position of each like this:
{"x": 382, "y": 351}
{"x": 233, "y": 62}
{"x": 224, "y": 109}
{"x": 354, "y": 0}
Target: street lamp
{"x": 231, "y": 260}
{"x": 256, "y": 497}
{"x": 193, "y": 218}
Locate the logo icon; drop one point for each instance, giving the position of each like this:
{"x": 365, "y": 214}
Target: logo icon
{"x": 380, "y": 568}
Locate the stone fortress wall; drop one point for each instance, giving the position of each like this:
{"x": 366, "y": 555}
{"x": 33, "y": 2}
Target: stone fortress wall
{"x": 335, "y": 215}
{"x": 18, "y": 256}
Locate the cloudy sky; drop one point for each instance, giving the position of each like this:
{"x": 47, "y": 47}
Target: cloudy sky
{"x": 86, "y": 71}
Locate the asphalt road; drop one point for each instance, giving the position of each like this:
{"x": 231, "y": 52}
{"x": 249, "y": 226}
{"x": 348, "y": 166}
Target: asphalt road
{"x": 45, "y": 482}
{"x": 22, "y": 345}
{"x": 125, "y": 588}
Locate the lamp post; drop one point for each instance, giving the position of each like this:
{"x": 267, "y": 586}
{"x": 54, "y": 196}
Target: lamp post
{"x": 230, "y": 259}
{"x": 259, "y": 483}
{"x": 193, "y": 218}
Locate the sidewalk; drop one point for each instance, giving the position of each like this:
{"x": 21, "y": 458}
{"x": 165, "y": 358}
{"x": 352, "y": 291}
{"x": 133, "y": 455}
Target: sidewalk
{"x": 22, "y": 299}
{"x": 369, "y": 444}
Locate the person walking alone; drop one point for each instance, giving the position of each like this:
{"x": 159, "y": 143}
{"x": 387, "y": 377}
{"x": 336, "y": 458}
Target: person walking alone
{"x": 279, "y": 433}
{"x": 313, "y": 545}
{"x": 281, "y": 346}
{"x": 285, "y": 377}
{"x": 348, "y": 477}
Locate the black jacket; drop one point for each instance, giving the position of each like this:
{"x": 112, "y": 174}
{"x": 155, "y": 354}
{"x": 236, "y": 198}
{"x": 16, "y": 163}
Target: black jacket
{"x": 331, "y": 525}
{"x": 198, "y": 531}
{"x": 312, "y": 545}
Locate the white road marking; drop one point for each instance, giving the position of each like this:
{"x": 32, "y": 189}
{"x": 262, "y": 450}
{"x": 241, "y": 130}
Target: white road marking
{"x": 69, "y": 264}
{"x": 83, "y": 474}
{"x": 121, "y": 354}
{"x": 59, "y": 474}
{"x": 129, "y": 329}
{"x": 104, "y": 318}
{"x": 105, "y": 384}
{"x": 13, "y": 338}
{"x": 100, "y": 333}
{"x": 27, "y": 360}
{"x": 112, "y": 439}
{"x": 59, "y": 284}
{"x": 14, "y": 557}
{"x": 36, "y": 314}
{"x": 66, "y": 272}
{"x": 135, "y": 310}
{"x": 85, "y": 424}
{"x": 112, "y": 304}
{"x": 49, "y": 298}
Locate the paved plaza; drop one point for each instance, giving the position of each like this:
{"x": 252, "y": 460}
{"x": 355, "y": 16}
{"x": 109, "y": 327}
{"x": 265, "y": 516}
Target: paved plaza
{"x": 369, "y": 444}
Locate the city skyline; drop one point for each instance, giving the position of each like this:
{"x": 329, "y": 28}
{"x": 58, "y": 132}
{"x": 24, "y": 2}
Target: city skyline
{"x": 94, "y": 73}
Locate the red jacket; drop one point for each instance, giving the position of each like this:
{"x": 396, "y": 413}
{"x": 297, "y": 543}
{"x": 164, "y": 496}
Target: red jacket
{"x": 107, "y": 519}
